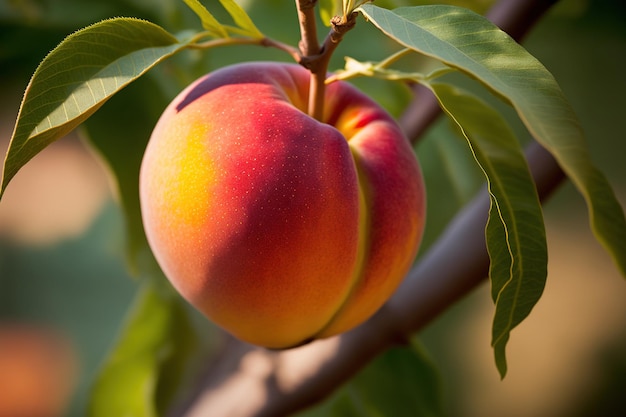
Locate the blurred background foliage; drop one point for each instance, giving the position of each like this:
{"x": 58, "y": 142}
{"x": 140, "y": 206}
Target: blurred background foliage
{"x": 62, "y": 235}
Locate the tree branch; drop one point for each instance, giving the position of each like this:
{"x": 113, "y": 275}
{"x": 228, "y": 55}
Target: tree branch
{"x": 248, "y": 381}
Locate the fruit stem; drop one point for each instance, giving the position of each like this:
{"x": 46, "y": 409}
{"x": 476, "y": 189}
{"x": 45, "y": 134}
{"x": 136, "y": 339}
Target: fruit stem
{"x": 317, "y": 62}
{"x": 339, "y": 26}
{"x": 309, "y": 47}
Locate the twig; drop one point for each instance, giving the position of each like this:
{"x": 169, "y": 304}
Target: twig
{"x": 267, "y": 42}
{"x": 309, "y": 45}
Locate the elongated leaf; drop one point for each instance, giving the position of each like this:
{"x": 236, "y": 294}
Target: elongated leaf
{"x": 241, "y": 18}
{"x": 479, "y": 6}
{"x": 515, "y": 234}
{"x": 156, "y": 338}
{"x": 209, "y": 22}
{"x": 78, "y": 76}
{"x": 467, "y": 41}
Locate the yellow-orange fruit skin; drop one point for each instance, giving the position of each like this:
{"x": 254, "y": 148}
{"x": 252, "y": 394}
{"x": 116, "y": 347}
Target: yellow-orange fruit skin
{"x": 278, "y": 227}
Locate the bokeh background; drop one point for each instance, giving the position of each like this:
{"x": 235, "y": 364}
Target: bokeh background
{"x": 64, "y": 286}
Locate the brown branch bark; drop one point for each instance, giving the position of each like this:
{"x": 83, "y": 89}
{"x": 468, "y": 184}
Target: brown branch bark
{"x": 247, "y": 381}
{"x": 308, "y": 31}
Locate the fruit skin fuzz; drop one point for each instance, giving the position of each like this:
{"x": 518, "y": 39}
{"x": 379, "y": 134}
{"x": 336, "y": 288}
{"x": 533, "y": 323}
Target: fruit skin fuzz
{"x": 279, "y": 228}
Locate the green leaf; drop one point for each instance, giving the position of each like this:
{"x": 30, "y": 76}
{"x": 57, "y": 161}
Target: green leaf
{"x": 467, "y": 41}
{"x": 209, "y": 22}
{"x": 77, "y": 77}
{"x": 156, "y": 342}
{"x": 479, "y": 6}
{"x": 241, "y": 18}
{"x": 515, "y": 233}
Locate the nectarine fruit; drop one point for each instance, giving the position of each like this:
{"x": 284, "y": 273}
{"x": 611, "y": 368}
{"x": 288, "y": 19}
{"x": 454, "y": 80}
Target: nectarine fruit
{"x": 278, "y": 227}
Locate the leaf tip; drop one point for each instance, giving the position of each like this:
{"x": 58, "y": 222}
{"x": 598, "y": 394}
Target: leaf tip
{"x": 4, "y": 182}
{"x": 499, "y": 353}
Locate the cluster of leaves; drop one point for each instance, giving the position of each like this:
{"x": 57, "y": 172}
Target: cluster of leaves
{"x": 95, "y": 63}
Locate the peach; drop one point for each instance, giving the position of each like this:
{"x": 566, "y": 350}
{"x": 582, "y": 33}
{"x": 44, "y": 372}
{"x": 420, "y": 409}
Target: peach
{"x": 280, "y": 228}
